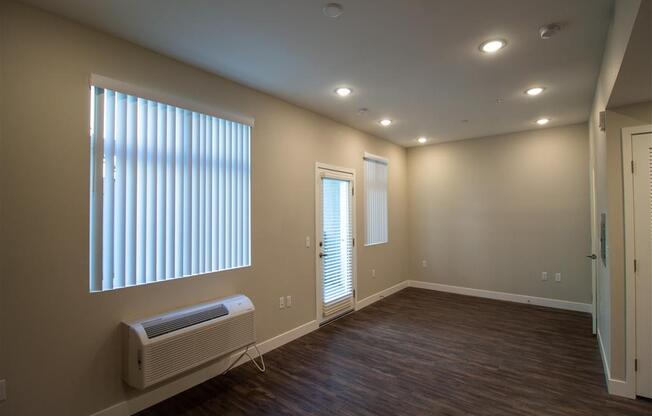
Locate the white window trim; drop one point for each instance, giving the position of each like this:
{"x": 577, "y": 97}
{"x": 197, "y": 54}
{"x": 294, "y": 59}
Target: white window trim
{"x": 102, "y": 81}
{"x": 375, "y": 158}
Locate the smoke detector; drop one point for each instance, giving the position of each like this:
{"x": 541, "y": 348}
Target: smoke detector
{"x": 333, "y": 10}
{"x": 548, "y": 31}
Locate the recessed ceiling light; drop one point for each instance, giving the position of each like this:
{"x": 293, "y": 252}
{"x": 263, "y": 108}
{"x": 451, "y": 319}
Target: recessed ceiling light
{"x": 492, "y": 46}
{"x": 422, "y": 140}
{"x": 343, "y": 91}
{"x": 543, "y": 121}
{"x": 333, "y": 10}
{"x": 534, "y": 91}
{"x": 385, "y": 122}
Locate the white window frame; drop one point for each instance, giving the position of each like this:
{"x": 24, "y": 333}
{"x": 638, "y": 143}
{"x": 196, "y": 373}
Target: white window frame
{"x": 381, "y": 160}
{"x": 97, "y": 153}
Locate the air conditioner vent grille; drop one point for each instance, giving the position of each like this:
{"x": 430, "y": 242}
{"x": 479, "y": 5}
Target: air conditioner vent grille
{"x": 167, "y": 358}
{"x": 160, "y": 327}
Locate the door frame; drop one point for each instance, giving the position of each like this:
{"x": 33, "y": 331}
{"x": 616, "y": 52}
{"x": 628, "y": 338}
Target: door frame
{"x": 627, "y": 134}
{"x": 319, "y": 167}
{"x": 594, "y": 250}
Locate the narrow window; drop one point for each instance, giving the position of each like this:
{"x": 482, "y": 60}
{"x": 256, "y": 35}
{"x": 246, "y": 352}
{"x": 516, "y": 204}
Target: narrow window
{"x": 375, "y": 189}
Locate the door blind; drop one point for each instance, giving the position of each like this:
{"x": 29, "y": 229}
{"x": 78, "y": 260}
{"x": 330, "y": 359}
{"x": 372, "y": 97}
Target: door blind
{"x": 337, "y": 246}
{"x": 170, "y": 192}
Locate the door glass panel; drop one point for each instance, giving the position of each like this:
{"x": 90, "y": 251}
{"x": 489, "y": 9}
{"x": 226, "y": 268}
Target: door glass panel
{"x": 337, "y": 246}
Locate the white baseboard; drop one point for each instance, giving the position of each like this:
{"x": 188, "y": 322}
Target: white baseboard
{"x": 158, "y": 394}
{"x": 614, "y": 386}
{"x": 165, "y": 391}
{"x": 510, "y": 297}
{"x": 286, "y": 337}
{"x": 605, "y": 362}
{"x": 382, "y": 294}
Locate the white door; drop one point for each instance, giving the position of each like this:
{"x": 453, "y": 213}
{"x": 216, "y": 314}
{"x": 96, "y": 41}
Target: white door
{"x": 642, "y": 157}
{"x": 335, "y": 243}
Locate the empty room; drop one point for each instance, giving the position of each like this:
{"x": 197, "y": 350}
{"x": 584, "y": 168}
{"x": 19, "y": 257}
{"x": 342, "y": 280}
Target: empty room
{"x": 305, "y": 207}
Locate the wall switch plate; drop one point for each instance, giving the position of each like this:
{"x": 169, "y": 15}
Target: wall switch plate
{"x": 424, "y": 263}
{"x": 557, "y": 277}
{"x": 288, "y": 301}
{"x": 373, "y": 272}
{"x": 281, "y": 302}
{"x": 3, "y": 390}
{"x": 307, "y": 241}
{"x": 544, "y": 276}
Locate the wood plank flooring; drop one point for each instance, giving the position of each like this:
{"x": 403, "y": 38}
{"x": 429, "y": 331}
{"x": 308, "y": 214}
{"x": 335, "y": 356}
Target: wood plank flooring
{"x": 422, "y": 352}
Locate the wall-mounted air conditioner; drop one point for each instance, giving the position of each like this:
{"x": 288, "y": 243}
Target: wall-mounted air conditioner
{"x": 163, "y": 346}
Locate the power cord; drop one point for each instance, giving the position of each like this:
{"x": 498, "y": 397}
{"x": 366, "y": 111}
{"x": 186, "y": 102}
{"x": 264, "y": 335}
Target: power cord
{"x": 260, "y": 367}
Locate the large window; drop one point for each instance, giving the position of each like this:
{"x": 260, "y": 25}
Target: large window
{"x": 170, "y": 191}
{"x": 375, "y": 189}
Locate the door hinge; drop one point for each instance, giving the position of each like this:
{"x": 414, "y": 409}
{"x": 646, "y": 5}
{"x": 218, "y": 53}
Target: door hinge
{"x": 635, "y": 265}
{"x": 635, "y": 364}
{"x": 354, "y": 242}
{"x": 352, "y": 191}
{"x": 354, "y": 293}
{"x": 632, "y": 166}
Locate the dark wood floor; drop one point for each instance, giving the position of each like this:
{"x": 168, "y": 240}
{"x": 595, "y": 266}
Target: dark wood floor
{"x": 422, "y": 352}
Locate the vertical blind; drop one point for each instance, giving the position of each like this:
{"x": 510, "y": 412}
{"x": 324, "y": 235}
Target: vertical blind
{"x": 375, "y": 189}
{"x": 170, "y": 192}
{"x": 337, "y": 240}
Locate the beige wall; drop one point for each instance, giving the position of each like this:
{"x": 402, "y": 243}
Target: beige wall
{"x": 493, "y": 213}
{"x": 624, "y": 17}
{"x": 3, "y": 368}
{"x": 617, "y": 119}
{"x": 61, "y": 351}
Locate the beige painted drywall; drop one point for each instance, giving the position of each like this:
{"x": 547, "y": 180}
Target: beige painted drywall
{"x": 61, "y": 346}
{"x": 617, "y": 119}
{"x": 624, "y": 17}
{"x": 494, "y": 213}
{"x": 3, "y": 368}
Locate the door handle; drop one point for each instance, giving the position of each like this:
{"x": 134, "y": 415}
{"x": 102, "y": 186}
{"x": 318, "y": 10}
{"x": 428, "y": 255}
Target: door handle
{"x": 322, "y": 255}
{"x": 592, "y": 257}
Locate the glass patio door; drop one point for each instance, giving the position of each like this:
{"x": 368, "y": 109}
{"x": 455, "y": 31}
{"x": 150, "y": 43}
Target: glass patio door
{"x": 335, "y": 244}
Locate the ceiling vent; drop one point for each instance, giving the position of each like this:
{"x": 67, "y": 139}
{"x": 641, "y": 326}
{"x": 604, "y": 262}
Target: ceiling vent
{"x": 333, "y": 10}
{"x": 548, "y": 31}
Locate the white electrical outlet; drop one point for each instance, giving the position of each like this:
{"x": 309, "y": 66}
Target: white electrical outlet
{"x": 288, "y": 301}
{"x": 307, "y": 241}
{"x": 373, "y": 272}
{"x": 281, "y": 302}
{"x": 557, "y": 277}
{"x": 424, "y": 263}
{"x": 544, "y": 275}
{"x": 3, "y": 390}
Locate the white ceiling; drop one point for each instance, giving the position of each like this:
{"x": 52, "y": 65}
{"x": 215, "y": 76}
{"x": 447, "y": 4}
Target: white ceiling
{"x": 415, "y": 61}
{"x": 634, "y": 82}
